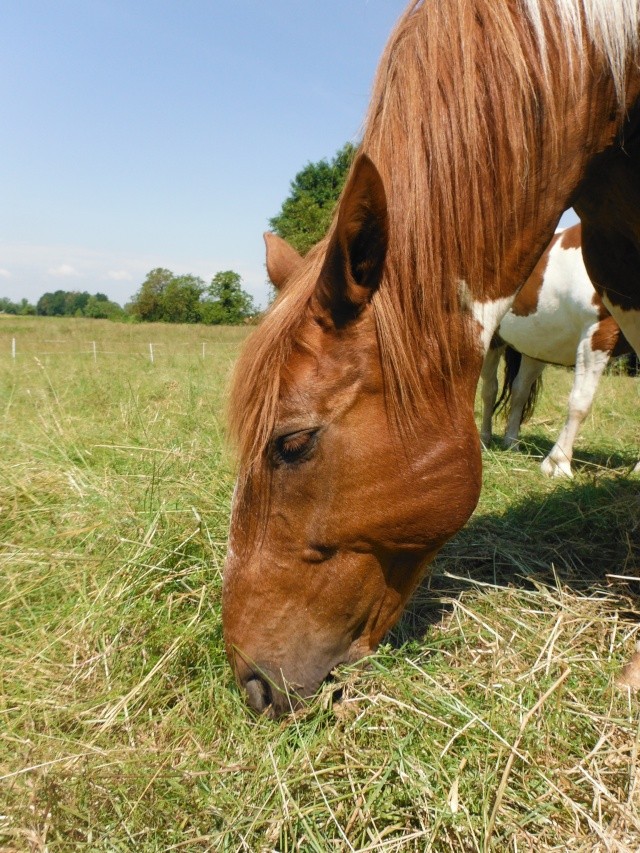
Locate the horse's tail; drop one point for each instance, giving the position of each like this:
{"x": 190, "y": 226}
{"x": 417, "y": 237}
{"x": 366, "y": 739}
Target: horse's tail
{"x": 512, "y": 362}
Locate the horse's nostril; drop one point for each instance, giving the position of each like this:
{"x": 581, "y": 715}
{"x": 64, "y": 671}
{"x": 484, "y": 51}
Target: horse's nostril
{"x": 258, "y": 693}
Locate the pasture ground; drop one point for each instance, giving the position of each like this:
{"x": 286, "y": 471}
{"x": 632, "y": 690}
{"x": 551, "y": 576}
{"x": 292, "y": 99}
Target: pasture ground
{"x": 488, "y": 720}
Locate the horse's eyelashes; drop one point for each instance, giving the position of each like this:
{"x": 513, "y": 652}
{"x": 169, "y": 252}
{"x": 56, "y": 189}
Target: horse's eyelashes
{"x": 295, "y": 447}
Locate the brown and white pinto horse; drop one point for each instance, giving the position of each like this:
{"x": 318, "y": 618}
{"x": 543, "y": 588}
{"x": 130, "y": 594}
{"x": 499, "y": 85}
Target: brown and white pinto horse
{"x": 352, "y": 406}
{"x": 556, "y": 318}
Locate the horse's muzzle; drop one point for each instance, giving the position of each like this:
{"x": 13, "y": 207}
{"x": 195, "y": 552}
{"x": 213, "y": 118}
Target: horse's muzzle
{"x": 266, "y": 693}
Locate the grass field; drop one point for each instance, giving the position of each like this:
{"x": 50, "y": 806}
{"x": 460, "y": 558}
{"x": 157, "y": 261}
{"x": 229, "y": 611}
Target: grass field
{"x": 488, "y": 720}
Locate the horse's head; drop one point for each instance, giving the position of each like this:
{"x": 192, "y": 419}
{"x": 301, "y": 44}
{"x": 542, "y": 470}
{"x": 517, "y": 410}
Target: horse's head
{"x": 338, "y": 509}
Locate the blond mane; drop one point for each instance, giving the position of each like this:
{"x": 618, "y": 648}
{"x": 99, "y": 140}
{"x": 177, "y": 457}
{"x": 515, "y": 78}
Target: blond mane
{"x": 465, "y": 110}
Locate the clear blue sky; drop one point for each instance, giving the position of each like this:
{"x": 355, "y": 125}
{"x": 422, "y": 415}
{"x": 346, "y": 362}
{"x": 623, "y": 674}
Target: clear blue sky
{"x": 138, "y": 134}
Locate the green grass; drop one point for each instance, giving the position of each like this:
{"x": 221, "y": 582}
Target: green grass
{"x": 488, "y": 719}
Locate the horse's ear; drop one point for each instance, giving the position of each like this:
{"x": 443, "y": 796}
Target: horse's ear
{"x": 282, "y": 260}
{"x": 354, "y": 262}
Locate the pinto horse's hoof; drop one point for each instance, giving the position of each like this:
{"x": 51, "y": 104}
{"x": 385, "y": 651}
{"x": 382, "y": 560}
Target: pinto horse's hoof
{"x": 551, "y": 468}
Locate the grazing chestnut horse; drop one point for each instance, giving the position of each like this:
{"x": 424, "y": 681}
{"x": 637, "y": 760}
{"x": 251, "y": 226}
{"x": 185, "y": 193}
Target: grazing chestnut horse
{"x": 556, "y": 318}
{"x": 352, "y": 406}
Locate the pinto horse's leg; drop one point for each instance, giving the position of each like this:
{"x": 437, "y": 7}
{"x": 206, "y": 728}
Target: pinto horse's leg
{"x": 530, "y": 370}
{"x": 590, "y": 364}
{"x": 489, "y": 391}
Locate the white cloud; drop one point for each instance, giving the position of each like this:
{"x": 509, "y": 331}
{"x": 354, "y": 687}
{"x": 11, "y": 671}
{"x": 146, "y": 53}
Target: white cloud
{"x": 5, "y": 273}
{"x": 63, "y": 271}
{"x": 119, "y": 275}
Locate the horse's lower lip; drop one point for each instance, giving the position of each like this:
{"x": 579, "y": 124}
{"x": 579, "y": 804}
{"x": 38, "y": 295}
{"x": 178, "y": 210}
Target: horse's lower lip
{"x": 357, "y": 650}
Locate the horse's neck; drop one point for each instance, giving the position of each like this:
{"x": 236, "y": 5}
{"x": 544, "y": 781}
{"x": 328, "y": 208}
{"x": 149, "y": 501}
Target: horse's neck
{"x": 594, "y": 125}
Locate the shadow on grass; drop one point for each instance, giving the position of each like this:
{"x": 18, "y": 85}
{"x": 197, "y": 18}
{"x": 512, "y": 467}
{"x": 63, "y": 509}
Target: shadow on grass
{"x": 584, "y": 537}
{"x": 536, "y": 444}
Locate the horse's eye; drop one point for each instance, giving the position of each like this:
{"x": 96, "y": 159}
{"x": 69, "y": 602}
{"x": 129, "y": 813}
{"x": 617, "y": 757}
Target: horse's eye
{"x": 295, "y": 447}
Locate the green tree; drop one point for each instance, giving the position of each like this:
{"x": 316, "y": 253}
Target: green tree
{"x": 306, "y": 213}
{"x": 75, "y": 303}
{"x": 52, "y": 304}
{"x": 22, "y": 307}
{"x": 70, "y": 303}
{"x": 100, "y": 308}
{"x": 25, "y": 307}
{"x": 146, "y": 305}
{"x": 181, "y": 299}
{"x": 225, "y": 302}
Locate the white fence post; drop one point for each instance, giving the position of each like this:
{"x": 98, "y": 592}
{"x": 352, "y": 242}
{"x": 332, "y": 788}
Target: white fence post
{"x": 151, "y": 352}
{"x": 203, "y": 346}
{"x": 95, "y": 354}
{"x": 13, "y": 348}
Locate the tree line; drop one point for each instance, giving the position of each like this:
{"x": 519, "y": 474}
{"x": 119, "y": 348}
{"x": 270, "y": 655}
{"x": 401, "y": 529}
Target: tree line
{"x": 66, "y": 303}
{"x": 163, "y": 297}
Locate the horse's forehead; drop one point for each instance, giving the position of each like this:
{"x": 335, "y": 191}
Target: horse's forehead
{"x": 323, "y": 368}
{"x": 298, "y": 370}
